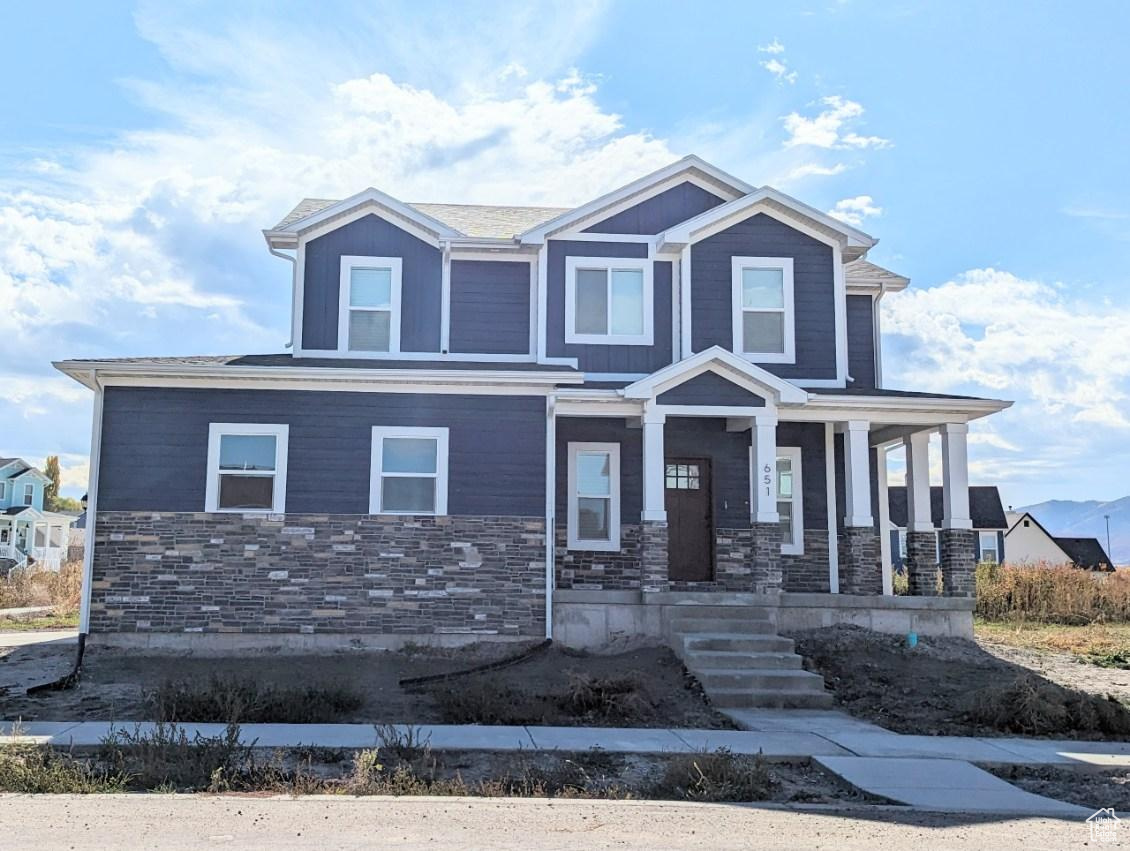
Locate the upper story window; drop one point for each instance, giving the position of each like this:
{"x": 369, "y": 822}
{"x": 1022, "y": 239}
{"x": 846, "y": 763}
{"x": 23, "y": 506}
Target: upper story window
{"x": 593, "y": 516}
{"x": 764, "y": 320}
{"x": 608, "y": 301}
{"x": 29, "y": 494}
{"x": 3, "y": 491}
{"x": 369, "y": 318}
{"x": 409, "y": 471}
{"x": 246, "y": 467}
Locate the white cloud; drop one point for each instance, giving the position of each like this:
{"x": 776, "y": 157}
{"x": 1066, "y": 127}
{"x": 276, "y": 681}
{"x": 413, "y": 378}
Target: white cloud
{"x": 855, "y": 210}
{"x": 780, "y": 71}
{"x": 816, "y": 170}
{"x": 773, "y": 47}
{"x": 830, "y": 127}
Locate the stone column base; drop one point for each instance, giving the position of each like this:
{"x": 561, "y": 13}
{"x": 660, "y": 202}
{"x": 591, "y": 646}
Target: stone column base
{"x": 922, "y": 564}
{"x": 654, "y": 575}
{"x": 959, "y": 562}
{"x": 766, "y": 555}
{"x": 860, "y": 572}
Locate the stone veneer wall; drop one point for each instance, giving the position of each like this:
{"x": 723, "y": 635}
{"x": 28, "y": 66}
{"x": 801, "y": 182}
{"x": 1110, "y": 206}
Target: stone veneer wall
{"x": 236, "y": 573}
{"x": 959, "y": 562}
{"x": 808, "y": 572}
{"x": 860, "y": 571}
{"x": 590, "y": 570}
{"x": 922, "y": 564}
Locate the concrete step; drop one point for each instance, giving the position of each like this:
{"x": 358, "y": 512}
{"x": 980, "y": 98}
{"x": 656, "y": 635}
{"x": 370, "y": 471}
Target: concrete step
{"x": 713, "y": 679}
{"x": 758, "y": 613}
{"x": 728, "y": 641}
{"x": 706, "y": 659}
{"x": 770, "y": 698}
{"x": 685, "y": 626}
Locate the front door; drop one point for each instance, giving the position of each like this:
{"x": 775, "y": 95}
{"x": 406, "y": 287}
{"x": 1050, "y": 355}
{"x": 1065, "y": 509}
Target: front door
{"x": 690, "y": 520}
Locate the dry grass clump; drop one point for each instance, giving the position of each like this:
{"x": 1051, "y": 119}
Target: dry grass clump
{"x": 235, "y": 700}
{"x": 1032, "y": 706}
{"x": 715, "y": 776}
{"x": 32, "y": 769}
{"x": 34, "y": 586}
{"x": 1052, "y": 594}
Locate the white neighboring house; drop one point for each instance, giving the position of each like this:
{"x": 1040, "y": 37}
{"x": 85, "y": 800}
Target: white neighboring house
{"x": 29, "y": 535}
{"x": 1027, "y": 542}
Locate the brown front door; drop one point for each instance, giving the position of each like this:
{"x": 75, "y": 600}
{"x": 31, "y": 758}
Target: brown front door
{"x": 690, "y": 520}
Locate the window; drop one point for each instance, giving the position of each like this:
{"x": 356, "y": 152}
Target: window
{"x": 369, "y": 318}
{"x": 409, "y": 471}
{"x": 763, "y": 308}
{"x": 902, "y": 544}
{"x": 990, "y": 549}
{"x": 593, "y": 521}
{"x": 246, "y": 468}
{"x": 683, "y": 477}
{"x": 608, "y": 301}
{"x": 790, "y": 504}
{"x": 29, "y": 494}
{"x": 3, "y": 490}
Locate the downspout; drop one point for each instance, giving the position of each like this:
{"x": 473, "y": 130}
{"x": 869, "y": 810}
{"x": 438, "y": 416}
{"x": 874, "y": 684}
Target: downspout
{"x": 293, "y": 288}
{"x": 877, "y": 345}
{"x": 550, "y": 507}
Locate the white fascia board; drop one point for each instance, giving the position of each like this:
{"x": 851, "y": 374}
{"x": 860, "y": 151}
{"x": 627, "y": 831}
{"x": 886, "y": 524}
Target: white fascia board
{"x": 784, "y": 391}
{"x": 366, "y": 196}
{"x": 684, "y": 233}
{"x": 686, "y": 164}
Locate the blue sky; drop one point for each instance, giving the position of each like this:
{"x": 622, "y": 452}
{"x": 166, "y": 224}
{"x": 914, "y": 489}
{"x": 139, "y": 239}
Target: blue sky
{"x": 143, "y": 148}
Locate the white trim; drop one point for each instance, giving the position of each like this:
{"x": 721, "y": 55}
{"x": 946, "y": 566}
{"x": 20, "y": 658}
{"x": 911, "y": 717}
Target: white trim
{"x": 654, "y": 468}
{"x": 572, "y": 540}
{"x": 955, "y": 477}
{"x": 376, "y": 473}
{"x": 542, "y": 302}
{"x": 485, "y": 256}
{"x": 91, "y": 506}
{"x": 444, "y": 301}
{"x": 763, "y": 470}
{"x": 857, "y": 474}
{"x": 884, "y": 521}
{"x": 363, "y": 201}
{"x": 738, "y": 310}
{"x": 578, "y": 236}
{"x": 795, "y": 547}
{"x": 676, "y": 308}
{"x": 281, "y": 434}
{"x": 550, "y": 510}
{"x": 610, "y": 265}
{"x": 833, "y": 530}
{"x": 727, "y": 364}
{"x": 686, "y": 328}
{"x": 996, "y": 547}
{"x": 839, "y": 289}
{"x": 534, "y": 333}
{"x": 349, "y": 262}
{"x": 28, "y": 498}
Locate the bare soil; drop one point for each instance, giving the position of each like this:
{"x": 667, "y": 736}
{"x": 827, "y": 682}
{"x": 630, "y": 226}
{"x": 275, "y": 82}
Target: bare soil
{"x": 932, "y": 688}
{"x": 114, "y": 683}
{"x": 1086, "y": 786}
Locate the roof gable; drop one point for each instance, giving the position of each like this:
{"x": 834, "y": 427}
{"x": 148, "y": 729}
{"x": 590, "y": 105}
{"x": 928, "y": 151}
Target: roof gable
{"x": 709, "y": 388}
{"x": 367, "y": 201}
{"x": 681, "y": 202}
{"x": 738, "y": 371}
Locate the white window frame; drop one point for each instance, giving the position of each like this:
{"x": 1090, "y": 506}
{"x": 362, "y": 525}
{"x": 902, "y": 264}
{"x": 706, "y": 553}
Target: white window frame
{"x": 795, "y": 547}
{"x": 785, "y": 265}
{"x": 572, "y": 525}
{"x": 349, "y": 262}
{"x": 376, "y": 474}
{"x": 996, "y": 547}
{"x": 3, "y": 490}
{"x": 29, "y": 494}
{"x": 280, "y": 432}
{"x": 609, "y": 264}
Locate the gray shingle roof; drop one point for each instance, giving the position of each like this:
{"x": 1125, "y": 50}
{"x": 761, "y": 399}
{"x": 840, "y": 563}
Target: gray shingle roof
{"x": 1085, "y": 552}
{"x": 480, "y": 220}
{"x": 985, "y": 507}
{"x": 863, "y": 272}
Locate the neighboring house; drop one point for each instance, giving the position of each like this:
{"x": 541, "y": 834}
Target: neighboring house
{"x": 495, "y": 419}
{"x": 29, "y": 535}
{"x": 1030, "y": 543}
{"x": 985, "y": 510}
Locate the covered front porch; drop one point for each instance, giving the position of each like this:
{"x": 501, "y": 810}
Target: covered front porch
{"x": 31, "y": 537}
{"x": 718, "y": 484}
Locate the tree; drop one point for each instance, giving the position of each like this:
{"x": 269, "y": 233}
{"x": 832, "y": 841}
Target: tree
{"x": 51, "y": 491}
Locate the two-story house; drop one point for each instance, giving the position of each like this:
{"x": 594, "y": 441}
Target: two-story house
{"x": 29, "y": 535}
{"x": 509, "y": 422}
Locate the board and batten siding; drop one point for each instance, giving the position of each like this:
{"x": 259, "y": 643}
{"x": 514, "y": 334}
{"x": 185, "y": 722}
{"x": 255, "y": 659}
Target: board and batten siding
{"x": 813, "y": 292}
{"x": 861, "y": 340}
{"x": 372, "y": 236}
{"x": 709, "y": 388}
{"x": 599, "y": 358}
{"x": 155, "y": 446}
{"x": 490, "y": 307}
{"x": 660, "y": 212}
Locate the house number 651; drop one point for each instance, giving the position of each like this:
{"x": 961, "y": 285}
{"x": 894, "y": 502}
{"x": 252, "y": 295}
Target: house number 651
{"x": 767, "y": 480}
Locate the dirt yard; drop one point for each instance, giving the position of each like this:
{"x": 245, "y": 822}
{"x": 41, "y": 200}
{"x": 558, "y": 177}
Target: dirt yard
{"x": 645, "y": 688}
{"x": 948, "y": 686}
{"x": 1086, "y": 786}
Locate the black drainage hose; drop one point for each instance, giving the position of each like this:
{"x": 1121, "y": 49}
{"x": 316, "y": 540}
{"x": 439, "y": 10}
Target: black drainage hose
{"x": 479, "y": 669}
{"x": 68, "y": 680}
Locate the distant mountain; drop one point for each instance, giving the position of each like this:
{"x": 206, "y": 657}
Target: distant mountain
{"x": 1085, "y": 519}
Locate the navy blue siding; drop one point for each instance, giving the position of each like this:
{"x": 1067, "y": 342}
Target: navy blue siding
{"x": 490, "y": 307}
{"x": 660, "y": 212}
{"x": 813, "y": 292}
{"x": 374, "y": 237}
{"x": 593, "y": 358}
{"x": 861, "y": 340}
{"x": 709, "y": 388}
{"x": 155, "y": 447}
{"x": 603, "y": 430}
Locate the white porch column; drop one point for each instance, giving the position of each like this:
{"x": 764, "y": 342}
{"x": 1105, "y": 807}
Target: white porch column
{"x": 918, "y": 482}
{"x": 955, "y": 477}
{"x": 857, "y": 473}
{"x": 654, "y": 462}
{"x": 764, "y": 441}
